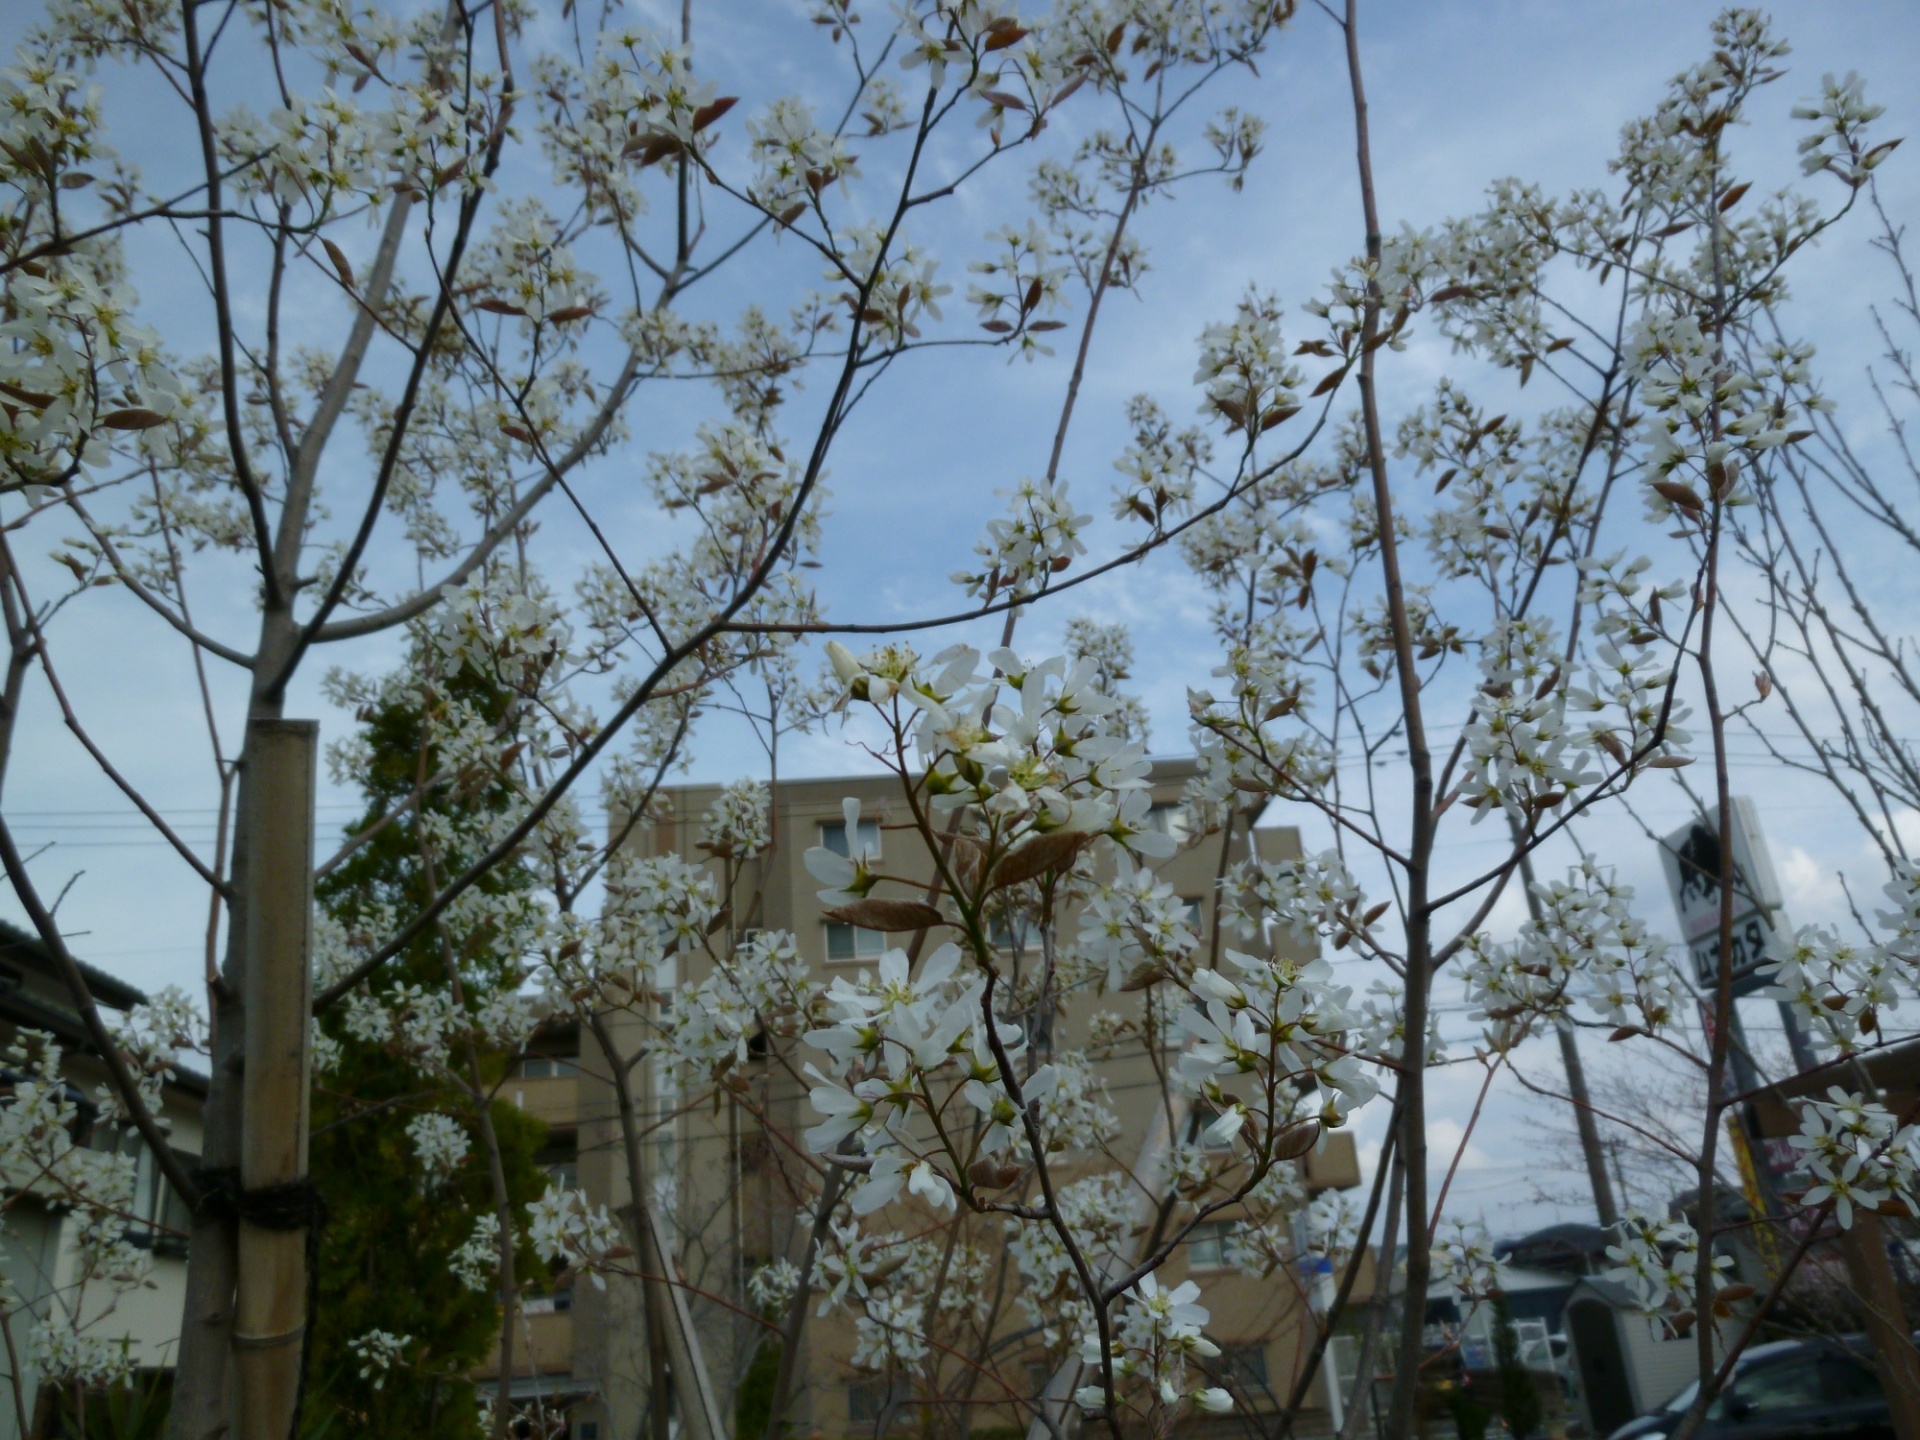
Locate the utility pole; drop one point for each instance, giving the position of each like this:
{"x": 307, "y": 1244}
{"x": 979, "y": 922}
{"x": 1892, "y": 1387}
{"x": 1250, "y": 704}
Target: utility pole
{"x": 275, "y": 1195}
{"x": 1603, "y": 1200}
{"x": 1604, "y": 1203}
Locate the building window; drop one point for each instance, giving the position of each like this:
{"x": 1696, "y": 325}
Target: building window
{"x": 1242, "y": 1368}
{"x": 833, "y": 835}
{"x": 867, "y": 1401}
{"x": 159, "y": 1219}
{"x": 560, "y": 1158}
{"x": 1170, "y": 818}
{"x": 1207, "y": 1244}
{"x": 556, "y": 1302}
{"x": 553, "y": 1052}
{"x": 850, "y": 942}
{"x": 1204, "y": 1116}
{"x": 1008, "y": 931}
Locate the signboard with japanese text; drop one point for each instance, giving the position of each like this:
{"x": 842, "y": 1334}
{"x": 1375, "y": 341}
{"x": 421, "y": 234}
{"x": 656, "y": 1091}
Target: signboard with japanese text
{"x": 1692, "y": 858}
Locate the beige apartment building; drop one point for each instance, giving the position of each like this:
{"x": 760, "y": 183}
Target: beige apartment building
{"x": 726, "y": 1168}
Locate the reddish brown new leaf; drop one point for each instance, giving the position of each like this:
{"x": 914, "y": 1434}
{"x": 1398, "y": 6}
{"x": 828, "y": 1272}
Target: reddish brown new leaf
{"x": 133, "y": 419}
{"x": 711, "y": 112}
{"x": 339, "y": 259}
{"x": 1296, "y": 1140}
{"x": 890, "y": 915}
{"x": 1680, "y": 494}
{"x": 1042, "y": 855}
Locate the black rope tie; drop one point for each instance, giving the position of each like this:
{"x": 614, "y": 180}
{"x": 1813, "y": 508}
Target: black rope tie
{"x": 296, "y": 1205}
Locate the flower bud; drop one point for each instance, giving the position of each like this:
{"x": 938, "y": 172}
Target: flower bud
{"x": 844, "y": 664}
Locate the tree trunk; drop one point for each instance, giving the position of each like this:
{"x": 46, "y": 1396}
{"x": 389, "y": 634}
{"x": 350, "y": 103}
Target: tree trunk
{"x": 202, "y": 1389}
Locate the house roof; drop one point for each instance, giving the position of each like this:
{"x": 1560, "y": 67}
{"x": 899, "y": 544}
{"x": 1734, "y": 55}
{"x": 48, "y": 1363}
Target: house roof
{"x": 1568, "y": 1246}
{"x": 52, "y": 1010}
{"x": 21, "y": 950}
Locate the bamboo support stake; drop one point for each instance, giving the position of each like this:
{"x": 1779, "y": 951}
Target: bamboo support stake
{"x": 270, "y": 1310}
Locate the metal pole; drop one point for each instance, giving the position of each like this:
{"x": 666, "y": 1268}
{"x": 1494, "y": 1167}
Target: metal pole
{"x": 1604, "y": 1203}
{"x": 1797, "y": 1041}
{"x": 1603, "y": 1199}
{"x": 270, "y": 1304}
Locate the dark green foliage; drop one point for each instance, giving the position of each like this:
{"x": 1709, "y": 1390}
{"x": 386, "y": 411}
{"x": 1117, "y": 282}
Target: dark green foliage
{"x": 383, "y": 1253}
{"x": 1469, "y": 1415}
{"x": 1519, "y": 1397}
{"x": 753, "y": 1406}
{"x": 136, "y": 1411}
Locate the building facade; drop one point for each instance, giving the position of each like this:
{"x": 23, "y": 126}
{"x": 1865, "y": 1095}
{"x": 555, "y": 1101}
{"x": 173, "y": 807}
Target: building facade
{"x": 725, "y": 1167}
{"x": 46, "y": 1281}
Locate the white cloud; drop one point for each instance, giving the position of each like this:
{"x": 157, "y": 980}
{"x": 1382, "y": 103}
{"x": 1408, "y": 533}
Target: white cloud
{"x": 1810, "y": 887}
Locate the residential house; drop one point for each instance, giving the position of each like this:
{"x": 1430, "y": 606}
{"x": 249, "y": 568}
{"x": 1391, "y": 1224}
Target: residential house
{"x": 38, "y": 1259}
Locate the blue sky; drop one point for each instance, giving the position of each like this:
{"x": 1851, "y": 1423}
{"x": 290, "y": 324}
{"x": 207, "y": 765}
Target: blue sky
{"x": 1461, "y": 93}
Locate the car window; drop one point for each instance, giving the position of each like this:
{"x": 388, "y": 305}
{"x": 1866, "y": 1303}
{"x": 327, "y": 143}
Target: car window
{"x": 1787, "y": 1386}
{"x": 1848, "y": 1381}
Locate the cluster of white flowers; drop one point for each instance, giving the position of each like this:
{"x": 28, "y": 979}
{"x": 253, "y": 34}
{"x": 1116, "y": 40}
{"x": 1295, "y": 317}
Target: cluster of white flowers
{"x": 1110, "y": 648}
{"x": 891, "y": 1332}
{"x": 1137, "y": 927}
{"x": 1703, "y": 413}
{"x": 1021, "y": 552}
{"x": 1158, "y": 1330}
{"x": 440, "y": 1145}
{"x": 771, "y": 1288}
{"x": 897, "y": 278}
{"x": 739, "y": 822}
{"x": 1382, "y": 1031}
{"x": 565, "y": 1228}
{"x": 1160, "y": 465}
{"x": 1839, "y": 989}
{"x": 797, "y": 160}
{"x": 1860, "y": 1156}
{"x": 891, "y": 1030}
{"x": 67, "y": 1353}
{"x": 1097, "y": 1211}
{"x": 378, "y": 1352}
{"x": 1278, "y": 1017}
{"x": 525, "y": 270}
{"x": 1312, "y": 898}
{"x": 1585, "y": 944}
{"x": 476, "y": 1263}
{"x": 1838, "y": 142}
{"x": 1244, "y": 369}
{"x": 500, "y": 627}
{"x": 76, "y": 369}
{"x": 1518, "y": 759}
{"x": 42, "y": 1154}
{"x": 1019, "y": 288}
{"x": 1658, "y": 1259}
{"x": 1463, "y": 1259}
{"x": 634, "y": 104}
{"x": 655, "y": 907}
{"x": 766, "y": 986}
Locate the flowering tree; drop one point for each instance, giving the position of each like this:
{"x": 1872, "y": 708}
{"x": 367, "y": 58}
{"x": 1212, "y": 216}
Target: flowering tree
{"x": 454, "y": 189}
{"x": 417, "y": 1158}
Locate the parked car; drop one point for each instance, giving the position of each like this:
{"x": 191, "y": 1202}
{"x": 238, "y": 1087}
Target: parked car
{"x": 1787, "y": 1390}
